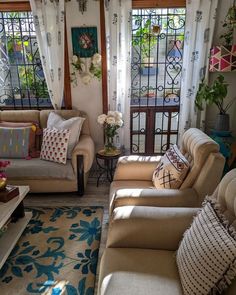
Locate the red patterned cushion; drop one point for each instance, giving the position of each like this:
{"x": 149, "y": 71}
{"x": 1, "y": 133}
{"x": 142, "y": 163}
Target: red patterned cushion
{"x": 172, "y": 169}
{"x": 55, "y": 145}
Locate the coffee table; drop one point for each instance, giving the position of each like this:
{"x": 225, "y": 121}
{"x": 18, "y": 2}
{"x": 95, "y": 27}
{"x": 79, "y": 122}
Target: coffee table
{"x": 15, "y": 209}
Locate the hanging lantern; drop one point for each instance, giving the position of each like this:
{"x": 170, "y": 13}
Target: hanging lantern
{"x": 156, "y": 29}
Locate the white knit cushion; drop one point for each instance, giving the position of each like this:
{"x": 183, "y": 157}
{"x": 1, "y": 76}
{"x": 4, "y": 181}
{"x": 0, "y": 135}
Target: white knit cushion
{"x": 171, "y": 170}
{"x": 73, "y": 124}
{"x": 55, "y": 145}
{"x": 206, "y": 257}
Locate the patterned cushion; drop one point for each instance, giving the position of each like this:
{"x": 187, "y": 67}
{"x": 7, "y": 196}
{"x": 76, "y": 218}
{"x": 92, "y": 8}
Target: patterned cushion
{"x": 33, "y": 150}
{"x": 73, "y": 124}
{"x": 55, "y": 145}
{"x": 171, "y": 170}
{"x": 14, "y": 142}
{"x": 206, "y": 257}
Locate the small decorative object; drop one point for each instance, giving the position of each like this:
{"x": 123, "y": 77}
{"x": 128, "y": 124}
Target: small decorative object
{"x": 84, "y": 41}
{"x": 215, "y": 94}
{"x": 9, "y": 192}
{"x": 82, "y": 5}
{"x": 3, "y": 176}
{"x": 85, "y": 71}
{"x": 111, "y": 123}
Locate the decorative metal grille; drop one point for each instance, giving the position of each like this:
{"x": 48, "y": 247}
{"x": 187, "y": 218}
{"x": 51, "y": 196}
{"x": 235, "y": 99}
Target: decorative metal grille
{"x": 157, "y": 46}
{"x": 22, "y": 81}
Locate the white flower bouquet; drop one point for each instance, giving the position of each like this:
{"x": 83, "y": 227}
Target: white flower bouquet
{"x": 111, "y": 123}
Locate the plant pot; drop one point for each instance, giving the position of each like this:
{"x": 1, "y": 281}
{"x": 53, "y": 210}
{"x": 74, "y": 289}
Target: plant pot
{"x": 148, "y": 62}
{"x": 222, "y": 122}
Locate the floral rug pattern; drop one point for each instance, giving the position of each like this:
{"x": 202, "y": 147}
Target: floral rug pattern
{"x": 57, "y": 253}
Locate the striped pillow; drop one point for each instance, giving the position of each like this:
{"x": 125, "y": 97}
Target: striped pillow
{"x": 206, "y": 257}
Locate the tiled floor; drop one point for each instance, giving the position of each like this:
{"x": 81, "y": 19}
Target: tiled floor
{"x": 94, "y": 196}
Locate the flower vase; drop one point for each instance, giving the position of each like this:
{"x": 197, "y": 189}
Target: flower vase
{"x": 109, "y": 147}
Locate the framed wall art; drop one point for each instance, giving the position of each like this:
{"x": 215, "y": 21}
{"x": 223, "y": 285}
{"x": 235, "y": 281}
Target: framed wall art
{"x": 84, "y": 41}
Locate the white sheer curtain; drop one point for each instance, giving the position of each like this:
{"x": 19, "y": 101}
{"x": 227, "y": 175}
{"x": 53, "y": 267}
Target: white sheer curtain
{"x": 199, "y": 29}
{"x": 49, "y": 25}
{"x": 118, "y": 42}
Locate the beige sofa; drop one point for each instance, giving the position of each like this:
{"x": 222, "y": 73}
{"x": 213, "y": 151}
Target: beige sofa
{"x": 132, "y": 183}
{"x": 140, "y": 254}
{"x": 44, "y": 176}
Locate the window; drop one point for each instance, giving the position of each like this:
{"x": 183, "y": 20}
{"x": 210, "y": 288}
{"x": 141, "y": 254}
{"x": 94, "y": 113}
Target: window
{"x": 22, "y": 81}
{"x": 157, "y": 49}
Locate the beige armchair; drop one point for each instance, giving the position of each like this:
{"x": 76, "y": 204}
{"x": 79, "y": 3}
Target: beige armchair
{"x": 132, "y": 184}
{"x": 140, "y": 254}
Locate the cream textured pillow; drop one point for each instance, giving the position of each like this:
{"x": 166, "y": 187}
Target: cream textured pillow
{"x": 55, "y": 145}
{"x": 172, "y": 169}
{"x": 73, "y": 124}
{"x": 206, "y": 257}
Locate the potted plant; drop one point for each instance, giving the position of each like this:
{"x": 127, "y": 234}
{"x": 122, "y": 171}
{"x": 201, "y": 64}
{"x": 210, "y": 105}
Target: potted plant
{"x": 215, "y": 94}
{"x": 145, "y": 39}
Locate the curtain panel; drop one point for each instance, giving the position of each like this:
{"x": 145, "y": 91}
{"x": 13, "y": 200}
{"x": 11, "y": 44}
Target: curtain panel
{"x": 118, "y": 45}
{"x": 199, "y": 29}
{"x": 49, "y": 21}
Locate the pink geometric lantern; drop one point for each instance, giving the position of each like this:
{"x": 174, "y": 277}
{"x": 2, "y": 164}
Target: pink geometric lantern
{"x": 223, "y": 59}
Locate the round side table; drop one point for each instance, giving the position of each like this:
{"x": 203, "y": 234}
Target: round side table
{"x": 107, "y": 164}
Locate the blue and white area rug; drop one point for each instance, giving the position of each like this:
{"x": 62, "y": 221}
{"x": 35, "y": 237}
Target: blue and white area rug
{"x": 57, "y": 253}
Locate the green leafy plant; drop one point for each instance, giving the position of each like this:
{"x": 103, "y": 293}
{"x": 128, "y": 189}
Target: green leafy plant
{"x": 214, "y": 94}
{"x": 230, "y": 25}
{"x": 144, "y": 39}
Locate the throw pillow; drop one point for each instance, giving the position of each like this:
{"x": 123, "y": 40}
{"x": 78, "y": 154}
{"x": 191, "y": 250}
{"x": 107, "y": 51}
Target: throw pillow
{"x": 206, "y": 257}
{"x": 171, "y": 170}
{"x": 73, "y": 124}
{"x": 55, "y": 145}
{"x": 33, "y": 146}
{"x": 14, "y": 142}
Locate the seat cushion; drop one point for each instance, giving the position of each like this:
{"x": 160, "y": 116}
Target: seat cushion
{"x": 143, "y": 193}
{"x": 138, "y": 272}
{"x": 39, "y": 169}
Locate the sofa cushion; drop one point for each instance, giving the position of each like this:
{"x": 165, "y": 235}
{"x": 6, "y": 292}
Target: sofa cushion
{"x": 138, "y": 272}
{"x": 32, "y": 139}
{"x": 171, "y": 170}
{"x": 206, "y": 257}
{"x": 39, "y": 169}
{"x": 55, "y": 145}
{"x": 66, "y": 114}
{"x": 73, "y": 124}
{"x": 20, "y": 116}
{"x": 14, "y": 142}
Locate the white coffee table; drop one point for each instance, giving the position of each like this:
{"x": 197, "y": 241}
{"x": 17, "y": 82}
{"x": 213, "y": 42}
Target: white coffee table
{"x": 14, "y": 230}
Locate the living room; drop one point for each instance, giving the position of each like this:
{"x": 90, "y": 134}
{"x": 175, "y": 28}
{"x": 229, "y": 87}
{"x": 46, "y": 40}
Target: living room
{"x": 117, "y": 147}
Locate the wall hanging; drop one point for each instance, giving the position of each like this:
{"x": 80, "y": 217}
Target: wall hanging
{"x": 223, "y": 57}
{"x": 84, "y": 41}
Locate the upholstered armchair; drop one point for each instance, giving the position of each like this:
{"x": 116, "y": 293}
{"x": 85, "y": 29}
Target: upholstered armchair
{"x": 140, "y": 254}
{"x": 132, "y": 183}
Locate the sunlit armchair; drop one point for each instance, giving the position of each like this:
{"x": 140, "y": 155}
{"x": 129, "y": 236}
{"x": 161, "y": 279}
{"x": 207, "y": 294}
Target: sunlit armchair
{"x": 142, "y": 241}
{"x": 132, "y": 184}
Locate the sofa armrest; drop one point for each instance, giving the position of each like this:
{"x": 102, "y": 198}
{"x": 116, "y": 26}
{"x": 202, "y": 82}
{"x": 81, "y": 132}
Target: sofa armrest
{"x": 136, "y": 167}
{"x": 152, "y": 197}
{"x": 148, "y": 227}
{"x": 85, "y": 147}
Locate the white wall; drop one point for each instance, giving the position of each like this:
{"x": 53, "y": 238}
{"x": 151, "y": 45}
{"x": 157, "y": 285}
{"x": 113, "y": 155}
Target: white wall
{"x": 230, "y": 77}
{"x": 86, "y": 97}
